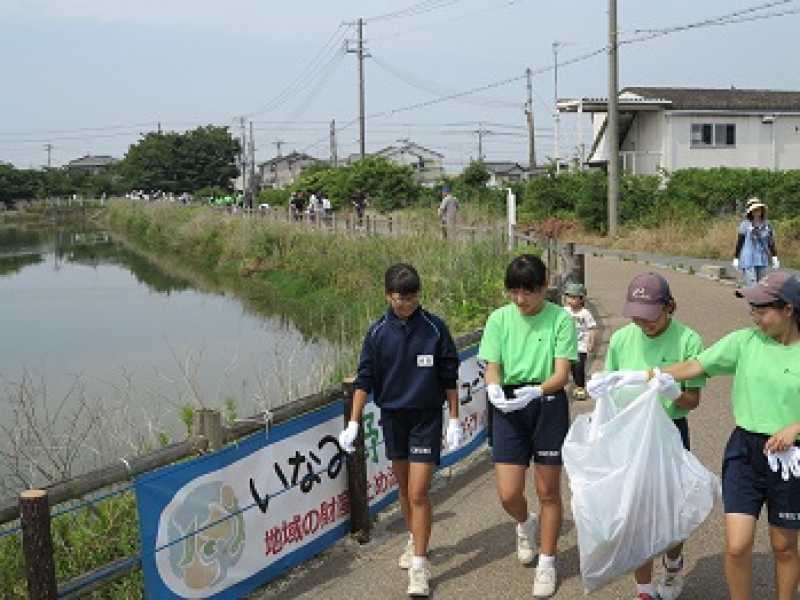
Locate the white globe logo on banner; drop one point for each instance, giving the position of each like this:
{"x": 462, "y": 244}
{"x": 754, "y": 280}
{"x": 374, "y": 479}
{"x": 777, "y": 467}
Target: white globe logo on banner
{"x": 203, "y": 560}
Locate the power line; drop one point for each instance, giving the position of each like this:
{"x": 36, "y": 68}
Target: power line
{"x": 420, "y": 8}
{"x": 449, "y": 20}
{"x": 738, "y": 16}
{"x": 431, "y": 88}
{"x": 307, "y": 74}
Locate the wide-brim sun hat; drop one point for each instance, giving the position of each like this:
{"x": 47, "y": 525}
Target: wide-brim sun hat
{"x": 752, "y": 204}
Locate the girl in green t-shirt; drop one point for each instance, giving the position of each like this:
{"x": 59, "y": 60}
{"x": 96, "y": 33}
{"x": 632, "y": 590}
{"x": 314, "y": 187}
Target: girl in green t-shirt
{"x": 765, "y": 364}
{"x": 655, "y": 337}
{"x": 528, "y": 345}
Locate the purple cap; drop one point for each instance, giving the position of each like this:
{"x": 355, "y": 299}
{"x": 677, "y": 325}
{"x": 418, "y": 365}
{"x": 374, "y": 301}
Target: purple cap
{"x": 648, "y": 293}
{"x": 778, "y": 285}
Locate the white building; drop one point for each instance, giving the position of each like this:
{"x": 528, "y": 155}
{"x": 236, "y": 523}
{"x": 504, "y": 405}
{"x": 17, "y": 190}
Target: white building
{"x": 283, "y": 171}
{"x": 428, "y": 165}
{"x": 679, "y": 128}
{"x": 504, "y": 173}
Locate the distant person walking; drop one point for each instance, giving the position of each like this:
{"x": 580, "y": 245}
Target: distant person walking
{"x": 360, "y": 206}
{"x": 755, "y": 244}
{"x": 448, "y": 210}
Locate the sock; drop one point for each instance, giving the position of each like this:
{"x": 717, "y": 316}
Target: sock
{"x": 547, "y": 561}
{"x": 646, "y": 588}
{"x": 673, "y": 565}
{"x": 419, "y": 562}
{"x": 529, "y": 525}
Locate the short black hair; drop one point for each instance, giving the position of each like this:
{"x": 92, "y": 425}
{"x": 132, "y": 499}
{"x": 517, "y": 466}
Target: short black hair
{"x": 526, "y": 272}
{"x": 402, "y": 279}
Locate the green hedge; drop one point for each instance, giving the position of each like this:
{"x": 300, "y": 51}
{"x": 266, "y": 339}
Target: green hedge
{"x": 690, "y": 194}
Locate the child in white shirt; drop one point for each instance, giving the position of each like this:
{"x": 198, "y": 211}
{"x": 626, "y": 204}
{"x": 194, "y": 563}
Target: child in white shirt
{"x": 586, "y": 326}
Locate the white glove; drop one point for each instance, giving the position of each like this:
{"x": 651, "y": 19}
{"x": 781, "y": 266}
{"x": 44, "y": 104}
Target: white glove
{"x": 776, "y": 264}
{"x": 627, "y": 378}
{"x": 599, "y": 384}
{"x": 788, "y": 460}
{"x": 735, "y": 263}
{"x": 522, "y": 397}
{"x": 666, "y": 385}
{"x": 496, "y": 395}
{"x": 348, "y": 436}
{"x": 454, "y": 436}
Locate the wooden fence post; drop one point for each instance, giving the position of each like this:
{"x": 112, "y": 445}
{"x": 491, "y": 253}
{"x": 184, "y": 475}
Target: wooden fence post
{"x": 37, "y": 545}
{"x": 208, "y": 423}
{"x": 357, "y": 474}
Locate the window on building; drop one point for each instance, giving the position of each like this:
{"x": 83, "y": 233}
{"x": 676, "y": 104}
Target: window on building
{"x": 718, "y": 135}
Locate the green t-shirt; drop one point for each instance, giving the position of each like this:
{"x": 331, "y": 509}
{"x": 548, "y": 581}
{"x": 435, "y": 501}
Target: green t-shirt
{"x": 527, "y": 346}
{"x": 631, "y": 349}
{"x": 766, "y": 383}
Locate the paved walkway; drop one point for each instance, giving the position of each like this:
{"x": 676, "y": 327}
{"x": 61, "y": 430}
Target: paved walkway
{"x": 473, "y": 544}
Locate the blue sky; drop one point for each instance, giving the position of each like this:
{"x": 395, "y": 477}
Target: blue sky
{"x": 89, "y": 76}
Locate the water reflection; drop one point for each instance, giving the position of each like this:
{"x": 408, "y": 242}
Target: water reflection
{"x": 91, "y": 327}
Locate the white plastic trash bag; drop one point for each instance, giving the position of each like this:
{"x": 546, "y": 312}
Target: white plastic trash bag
{"x": 636, "y": 492}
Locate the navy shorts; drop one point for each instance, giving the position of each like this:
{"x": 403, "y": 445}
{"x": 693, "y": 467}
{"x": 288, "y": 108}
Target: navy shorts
{"x": 535, "y": 432}
{"x": 748, "y": 482}
{"x": 413, "y": 435}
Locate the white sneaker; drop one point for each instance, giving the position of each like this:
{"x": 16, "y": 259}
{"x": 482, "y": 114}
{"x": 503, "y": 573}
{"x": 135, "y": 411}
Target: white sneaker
{"x": 526, "y": 541}
{"x": 407, "y": 555}
{"x": 544, "y": 582}
{"x": 418, "y": 582}
{"x": 671, "y": 584}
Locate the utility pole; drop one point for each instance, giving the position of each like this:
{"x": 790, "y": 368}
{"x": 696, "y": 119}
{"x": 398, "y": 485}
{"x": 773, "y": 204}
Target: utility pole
{"x": 278, "y": 145}
{"x": 253, "y": 184}
{"x": 529, "y": 115}
{"x": 243, "y": 155}
{"x": 612, "y": 126}
{"x": 49, "y": 148}
{"x": 361, "y": 96}
{"x": 334, "y": 157}
{"x": 556, "y": 116}
{"x": 480, "y": 132}
{"x": 360, "y": 54}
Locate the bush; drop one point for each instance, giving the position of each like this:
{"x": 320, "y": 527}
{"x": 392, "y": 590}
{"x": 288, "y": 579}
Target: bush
{"x": 274, "y": 197}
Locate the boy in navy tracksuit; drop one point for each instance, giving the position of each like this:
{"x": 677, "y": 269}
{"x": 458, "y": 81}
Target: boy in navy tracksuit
{"x": 410, "y": 364}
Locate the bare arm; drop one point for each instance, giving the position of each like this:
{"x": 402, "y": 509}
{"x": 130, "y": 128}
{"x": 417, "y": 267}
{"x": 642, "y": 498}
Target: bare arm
{"x": 689, "y": 399}
{"x": 452, "y": 403}
{"x": 494, "y": 373}
{"x": 558, "y": 380}
{"x": 683, "y": 371}
{"x": 359, "y": 402}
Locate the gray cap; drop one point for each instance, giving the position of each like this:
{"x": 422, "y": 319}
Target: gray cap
{"x": 648, "y": 293}
{"x": 778, "y": 285}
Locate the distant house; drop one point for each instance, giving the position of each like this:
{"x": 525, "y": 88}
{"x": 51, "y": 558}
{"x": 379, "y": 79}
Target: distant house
{"x": 504, "y": 173}
{"x": 283, "y": 171}
{"x": 92, "y": 164}
{"x": 679, "y": 128}
{"x": 428, "y": 165}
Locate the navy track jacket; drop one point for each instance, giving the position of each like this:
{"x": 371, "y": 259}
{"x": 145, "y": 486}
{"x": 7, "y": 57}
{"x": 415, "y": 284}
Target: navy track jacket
{"x": 408, "y": 364}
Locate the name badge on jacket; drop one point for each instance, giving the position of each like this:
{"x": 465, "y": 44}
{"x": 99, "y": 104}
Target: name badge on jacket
{"x": 424, "y": 360}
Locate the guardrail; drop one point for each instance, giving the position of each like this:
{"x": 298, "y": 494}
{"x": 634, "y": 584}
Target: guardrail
{"x": 34, "y": 510}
